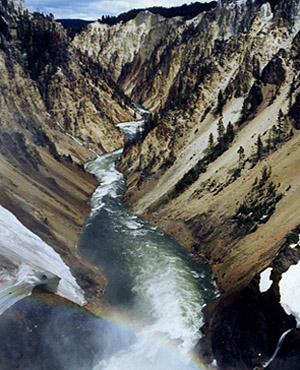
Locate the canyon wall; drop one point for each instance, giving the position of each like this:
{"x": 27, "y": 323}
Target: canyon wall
{"x": 57, "y": 111}
{"x": 218, "y": 165}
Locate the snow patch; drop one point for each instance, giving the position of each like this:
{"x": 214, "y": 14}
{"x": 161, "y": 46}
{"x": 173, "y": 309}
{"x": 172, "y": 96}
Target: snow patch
{"x": 263, "y": 19}
{"x": 265, "y": 281}
{"x": 294, "y": 245}
{"x": 266, "y": 12}
{"x": 289, "y": 290}
{"x": 18, "y": 284}
{"x": 33, "y": 263}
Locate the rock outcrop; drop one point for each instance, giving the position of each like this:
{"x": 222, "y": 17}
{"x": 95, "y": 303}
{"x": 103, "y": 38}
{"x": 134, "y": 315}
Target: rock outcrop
{"x": 57, "y": 111}
{"x": 218, "y": 166}
{"x": 242, "y": 89}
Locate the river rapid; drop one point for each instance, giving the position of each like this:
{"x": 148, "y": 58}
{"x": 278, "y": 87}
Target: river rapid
{"x": 153, "y": 283}
{"x": 153, "y": 299}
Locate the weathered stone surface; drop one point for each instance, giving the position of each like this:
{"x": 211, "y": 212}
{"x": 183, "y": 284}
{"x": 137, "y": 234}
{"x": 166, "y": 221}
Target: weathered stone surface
{"x": 57, "y": 111}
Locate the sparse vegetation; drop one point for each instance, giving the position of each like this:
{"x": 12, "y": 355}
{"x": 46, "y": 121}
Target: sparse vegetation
{"x": 293, "y": 238}
{"x": 168, "y": 162}
{"x": 259, "y": 204}
{"x": 225, "y": 138}
{"x": 187, "y": 11}
{"x": 279, "y": 133}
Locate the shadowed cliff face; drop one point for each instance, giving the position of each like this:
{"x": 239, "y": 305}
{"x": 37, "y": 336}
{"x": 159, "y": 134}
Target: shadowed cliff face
{"x": 57, "y": 110}
{"x": 77, "y": 93}
{"x": 243, "y": 328}
{"x": 161, "y": 57}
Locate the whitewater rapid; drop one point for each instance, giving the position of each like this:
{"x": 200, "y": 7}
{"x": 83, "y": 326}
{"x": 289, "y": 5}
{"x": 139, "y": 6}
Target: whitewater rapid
{"x": 152, "y": 281}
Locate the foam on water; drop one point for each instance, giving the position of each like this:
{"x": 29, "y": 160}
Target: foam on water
{"x": 131, "y": 128}
{"x": 151, "y": 278}
{"x": 111, "y": 181}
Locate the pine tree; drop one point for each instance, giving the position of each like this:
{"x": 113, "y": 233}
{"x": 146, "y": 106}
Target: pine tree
{"x": 221, "y": 102}
{"x": 274, "y": 136}
{"x": 241, "y": 153}
{"x": 245, "y": 110}
{"x": 286, "y": 126}
{"x": 229, "y": 133}
{"x": 138, "y": 135}
{"x": 211, "y": 142}
{"x": 291, "y": 92}
{"x": 259, "y": 148}
{"x": 280, "y": 125}
{"x": 221, "y": 132}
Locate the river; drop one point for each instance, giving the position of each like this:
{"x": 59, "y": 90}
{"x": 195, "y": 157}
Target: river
{"x": 154, "y": 296}
{"x": 154, "y": 282}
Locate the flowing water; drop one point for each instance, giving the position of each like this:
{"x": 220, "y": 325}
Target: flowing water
{"x": 152, "y": 281}
{"x": 155, "y": 294}
{"x": 279, "y": 344}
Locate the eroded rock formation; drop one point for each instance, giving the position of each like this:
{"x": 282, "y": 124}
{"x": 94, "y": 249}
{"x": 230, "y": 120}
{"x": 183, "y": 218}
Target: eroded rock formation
{"x": 57, "y": 112}
{"x": 219, "y": 167}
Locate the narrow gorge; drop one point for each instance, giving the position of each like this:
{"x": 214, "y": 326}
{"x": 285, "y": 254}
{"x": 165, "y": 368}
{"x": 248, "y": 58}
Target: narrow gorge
{"x": 191, "y": 260}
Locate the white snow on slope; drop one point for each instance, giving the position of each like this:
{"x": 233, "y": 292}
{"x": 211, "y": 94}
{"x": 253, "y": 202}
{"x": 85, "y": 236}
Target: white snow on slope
{"x": 294, "y": 245}
{"x": 34, "y": 263}
{"x": 265, "y": 281}
{"x": 289, "y": 289}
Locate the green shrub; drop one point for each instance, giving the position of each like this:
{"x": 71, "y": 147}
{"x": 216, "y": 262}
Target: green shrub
{"x": 293, "y": 238}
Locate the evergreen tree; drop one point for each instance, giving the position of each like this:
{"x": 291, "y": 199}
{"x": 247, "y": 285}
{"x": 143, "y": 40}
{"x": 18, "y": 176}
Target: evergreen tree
{"x": 280, "y": 125}
{"x": 221, "y": 102}
{"x": 229, "y": 133}
{"x": 221, "y": 132}
{"x": 256, "y": 68}
{"x": 245, "y": 110}
{"x": 265, "y": 175}
{"x": 291, "y": 92}
{"x": 269, "y": 142}
{"x": 259, "y": 148}
{"x": 138, "y": 136}
{"x": 286, "y": 126}
{"x": 274, "y": 136}
{"x": 241, "y": 153}
{"x": 211, "y": 142}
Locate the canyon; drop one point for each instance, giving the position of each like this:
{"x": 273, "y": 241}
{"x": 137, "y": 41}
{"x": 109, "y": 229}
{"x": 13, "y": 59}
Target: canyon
{"x": 216, "y": 167}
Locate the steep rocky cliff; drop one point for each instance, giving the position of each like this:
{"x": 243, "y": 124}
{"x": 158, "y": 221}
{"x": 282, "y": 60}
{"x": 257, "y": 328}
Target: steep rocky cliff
{"x": 57, "y": 110}
{"x": 219, "y": 166}
{"x": 247, "y": 88}
{"x": 132, "y": 51}
{"x": 155, "y": 58}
